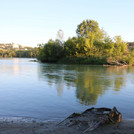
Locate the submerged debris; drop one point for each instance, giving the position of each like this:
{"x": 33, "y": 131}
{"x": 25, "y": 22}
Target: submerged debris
{"x": 92, "y": 118}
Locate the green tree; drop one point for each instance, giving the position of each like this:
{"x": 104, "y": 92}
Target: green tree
{"x": 104, "y": 48}
{"x": 90, "y": 32}
{"x": 89, "y": 29}
{"x": 120, "y": 47}
{"x": 70, "y": 47}
{"x": 51, "y": 51}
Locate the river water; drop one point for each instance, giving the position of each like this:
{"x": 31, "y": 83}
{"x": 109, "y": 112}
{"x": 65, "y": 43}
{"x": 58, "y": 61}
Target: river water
{"x": 51, "y": 91}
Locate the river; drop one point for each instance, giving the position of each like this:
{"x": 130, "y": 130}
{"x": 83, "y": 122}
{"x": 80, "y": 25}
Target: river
{"x": 51, "y": 91}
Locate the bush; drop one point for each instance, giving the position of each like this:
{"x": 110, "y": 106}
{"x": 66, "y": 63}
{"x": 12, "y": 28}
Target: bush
{"x": 51, "y": 52}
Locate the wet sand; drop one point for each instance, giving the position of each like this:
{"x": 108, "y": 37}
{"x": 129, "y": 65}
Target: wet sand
{"x": 49, "y": 127}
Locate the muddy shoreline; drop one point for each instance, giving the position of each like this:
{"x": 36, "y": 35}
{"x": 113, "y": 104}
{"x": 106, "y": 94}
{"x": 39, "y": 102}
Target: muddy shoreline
{"x": 31, "y": 126}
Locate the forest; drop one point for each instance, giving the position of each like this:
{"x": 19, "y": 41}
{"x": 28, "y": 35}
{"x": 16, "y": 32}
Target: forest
{"x": 92, "y": 45}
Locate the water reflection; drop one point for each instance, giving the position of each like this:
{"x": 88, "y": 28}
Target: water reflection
{"x": 119, "y": 76}
{"x": 90, "y": 81}
{"x": 16, "y": 67}
{"x": 6, "y": 67}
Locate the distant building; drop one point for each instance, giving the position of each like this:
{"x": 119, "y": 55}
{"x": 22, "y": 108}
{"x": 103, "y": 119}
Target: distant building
{"x": 14, "y": 46}
{"x": 6, "y": 46}
{"x": 130, "y": 45}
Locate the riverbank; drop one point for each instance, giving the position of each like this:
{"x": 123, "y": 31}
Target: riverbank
{"x": 49, "y": 127}
{"x": 90, "y": 60}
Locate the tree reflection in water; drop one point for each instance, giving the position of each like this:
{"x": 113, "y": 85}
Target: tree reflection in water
{"x": 90, "y": 81}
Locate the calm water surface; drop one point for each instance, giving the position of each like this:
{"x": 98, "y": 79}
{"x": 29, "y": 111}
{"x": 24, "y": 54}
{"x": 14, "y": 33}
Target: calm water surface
{"x": 50, "y": 91}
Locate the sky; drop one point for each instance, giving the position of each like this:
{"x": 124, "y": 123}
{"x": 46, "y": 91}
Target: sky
{"x": 31, "y": 22}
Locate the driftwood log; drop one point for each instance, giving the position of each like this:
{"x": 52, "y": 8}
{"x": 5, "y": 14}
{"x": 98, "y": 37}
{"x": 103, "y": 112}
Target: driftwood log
{"x": 92, "y": 118}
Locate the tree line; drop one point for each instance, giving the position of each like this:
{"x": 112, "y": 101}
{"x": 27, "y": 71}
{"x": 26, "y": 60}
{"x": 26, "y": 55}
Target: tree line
{"x": 92, "y": 45}
{"x": 31, "y": 53}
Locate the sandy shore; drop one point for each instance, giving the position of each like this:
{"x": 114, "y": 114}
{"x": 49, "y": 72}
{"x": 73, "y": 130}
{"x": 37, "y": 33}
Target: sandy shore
{"x": 21, "y": 126}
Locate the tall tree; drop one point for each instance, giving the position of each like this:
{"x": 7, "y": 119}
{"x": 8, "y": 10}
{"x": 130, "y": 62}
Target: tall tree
{"x": 119, "y": 46}
{"x": 89, "y": 29}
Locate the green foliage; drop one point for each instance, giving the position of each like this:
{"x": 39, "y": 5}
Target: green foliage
{"x": 89, "y": 29}
{"x": 129, "y": 58}
{"x": 21, "y": 53}
{"x": 92, "y": 46}
{"x": 32, "y": 53}
{"x": 104, "y": 48}
{"x": 83, "y": 46}
{"x": 119, "y": 46}
{"x": 88, "y": 33}
{"x": 70, "y": 47}
{"x": 51, "y": 51}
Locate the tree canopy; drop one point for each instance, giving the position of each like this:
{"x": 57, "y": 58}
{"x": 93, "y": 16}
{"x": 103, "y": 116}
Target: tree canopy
{"x": 89, "y": 29}
{"x": 91, "y": 46}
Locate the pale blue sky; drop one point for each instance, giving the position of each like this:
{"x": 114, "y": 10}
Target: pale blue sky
{"x": 30, "y": 22}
